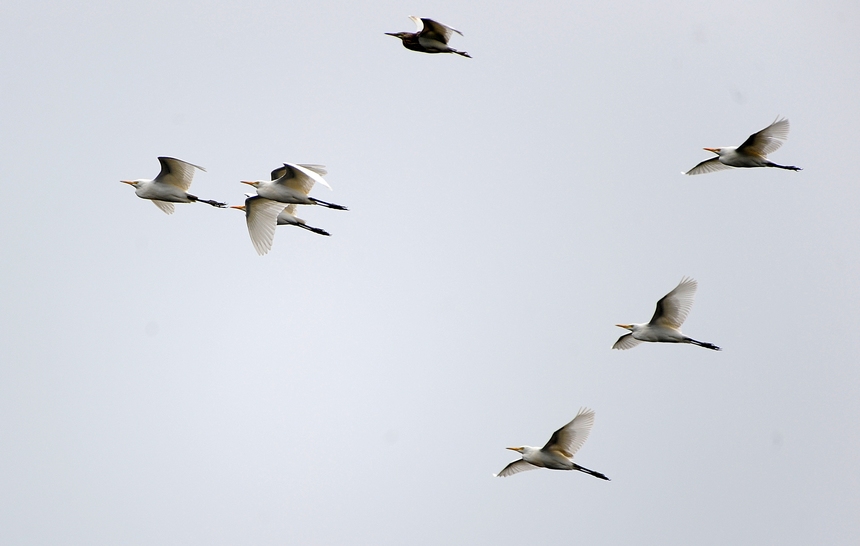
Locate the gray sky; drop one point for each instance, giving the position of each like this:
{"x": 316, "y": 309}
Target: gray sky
{"x": 162, "y": 384}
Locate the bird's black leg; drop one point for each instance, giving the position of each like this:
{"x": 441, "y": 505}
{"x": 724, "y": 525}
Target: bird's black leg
{"x": 704, "y": 344}
{"x": 787, "y": 167}
{"x": 218, "y": 204}
{"x": 592, "y": 472}
{"x": 327, "y": 204}
{"x": 314, "y": 229}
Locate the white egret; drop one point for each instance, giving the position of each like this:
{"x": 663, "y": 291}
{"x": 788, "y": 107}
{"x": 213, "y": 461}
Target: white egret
{"x": 262, "y": 215}
{"x": 170, "y": 186}
{"x": 292, "y": 184}
{"x": 558, "y": 453}
{"x": 665, "y": 325}
{"x": 431, "y": 37}
{"x": 752, "y": 153}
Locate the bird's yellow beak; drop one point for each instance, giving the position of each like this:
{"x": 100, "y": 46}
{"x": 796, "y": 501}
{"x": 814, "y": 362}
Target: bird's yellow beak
{"x": 240, "y": 207}
{"x": 519, "y": 449}
{"x": 247, "y": 182}
{"x": 715, "y": 150}
{"x": 129, "y": 182}
{"x": 625, "y": 326}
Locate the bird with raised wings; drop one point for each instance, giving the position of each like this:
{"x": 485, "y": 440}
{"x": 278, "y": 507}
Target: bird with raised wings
{"x": 558, "y": 452}
{"x": 752, "y": 153}
{"x": 292, "y": 183}
{"x": 665, "y": 325}
{"x": 430, "y": 37}
{"x": 262, "y": 215}
{"x": 170, "y": 186}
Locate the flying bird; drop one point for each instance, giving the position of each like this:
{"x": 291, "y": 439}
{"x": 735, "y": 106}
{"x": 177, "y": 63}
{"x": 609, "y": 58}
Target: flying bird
{"x": 431, "y": 37}
{"x": 665, "y": 325}
{"x": 558, "y": 453}
{"x": 752, "y": 153}
{"x": 262, "y": 215}
{"x": 292, "y": 183}
{"x": 170, "y": 186}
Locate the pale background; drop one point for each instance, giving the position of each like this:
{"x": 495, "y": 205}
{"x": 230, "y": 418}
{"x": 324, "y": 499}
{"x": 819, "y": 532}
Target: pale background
{"x": 162, "y": 384}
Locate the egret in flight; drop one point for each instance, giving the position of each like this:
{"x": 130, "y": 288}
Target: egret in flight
{"x": 262, "y": 215}
{"x": 558, "y": 453}
{"x": 431, "y": 37}
{"x": 752, "y": 153}
{"x": 292, "y": 184}
{"x": 665, "y": 325}
{"x": 170, "y": 186}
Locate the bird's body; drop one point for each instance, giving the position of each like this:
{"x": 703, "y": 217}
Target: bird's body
{"x": 752, "y": 153}
{"x": 665, "y": 325}
{"x": 170, "y": 186}
{"x": 431, "y": 37}
{"x": 291, "y": 184}
{"x": 558, "y": 452}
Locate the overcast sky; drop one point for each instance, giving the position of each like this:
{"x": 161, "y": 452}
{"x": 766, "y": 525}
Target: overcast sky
{"x": 162, "y": 384}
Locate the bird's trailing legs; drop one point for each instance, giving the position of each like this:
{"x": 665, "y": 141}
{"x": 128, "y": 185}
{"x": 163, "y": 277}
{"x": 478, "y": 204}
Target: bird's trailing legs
{"x": 592, "y": 472}
{"x": 327, "y": 204}
{"x": 463, "y": 53}
{"x": 314, "y": 229}
{"x": 704, "y": 344}
{"x": 218, "y": 204}
{"x": 787, "y": 167}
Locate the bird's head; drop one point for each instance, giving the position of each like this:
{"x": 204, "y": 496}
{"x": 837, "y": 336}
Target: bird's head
{"x": 717, "y": 151}
{"x": 255, "y": 183}
{"x": 625, "y": 326}
{"x": 133, "y": 183}
{"x": 517, "y": 449}
{"x": 401, "y": 35}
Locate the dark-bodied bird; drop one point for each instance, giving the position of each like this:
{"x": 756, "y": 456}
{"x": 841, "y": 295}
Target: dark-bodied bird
{"x": 262, "y": 215}
{"x": 665, "y": 325}
{"x": 170, "y": 186}
{"x": 752, "y": 153}
{"x": 431, "y": 37}
{"x": 292, "y": 183}
{"x": 558, "y": 453}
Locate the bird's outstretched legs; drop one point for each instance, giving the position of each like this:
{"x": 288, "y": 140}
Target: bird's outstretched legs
{"x": 788, "y": 167}
{"x": 592, "y": 472}
{"x": 218, "y": 204}
{"x": 704, "y": 344}
{"x": 327, "y": 204}
{"x": 314, "y": 229}
{"x": 463, "y": 53}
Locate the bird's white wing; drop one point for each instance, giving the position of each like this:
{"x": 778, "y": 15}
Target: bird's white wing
{"x": 708, "y": 166}
{"x": 673, "y": 308}
{"x": 176, "y": 172}
{"x": 299, "y": 178}
{"x": 261, "y": 216}
{"x": 166, "y": 206}
{"x": 768, "y": 140}
{"x": 313, "y": 175}
{"x": 568, "y": 439}
{"x": 515, "y": 467}
{"x": 627, "y": 341}
{"x": 319, "y": 169}
{"x": 281, "y": 171}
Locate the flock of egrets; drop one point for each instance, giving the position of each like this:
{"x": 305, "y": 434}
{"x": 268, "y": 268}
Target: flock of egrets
{"x": 276, "y": 200}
